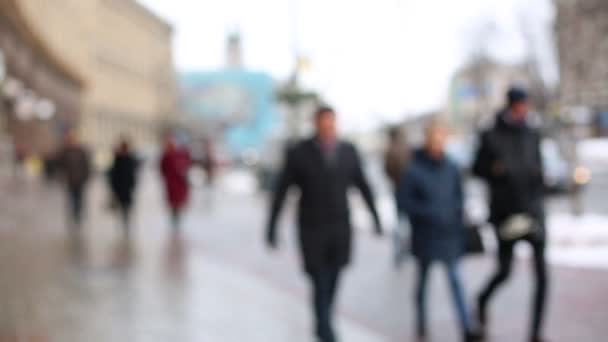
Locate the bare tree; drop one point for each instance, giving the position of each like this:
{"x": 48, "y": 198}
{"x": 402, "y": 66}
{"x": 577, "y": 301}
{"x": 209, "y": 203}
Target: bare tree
{"x": 541, "y": 92}
{"x": 479, "y": 66}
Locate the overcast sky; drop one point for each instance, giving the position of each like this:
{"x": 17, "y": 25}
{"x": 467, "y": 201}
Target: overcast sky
{"x": 374, "y": 60}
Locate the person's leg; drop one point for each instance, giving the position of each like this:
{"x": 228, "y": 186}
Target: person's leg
{"x": 175, "y": 217}
{"x": 125, "y": 213}
{"x": 71, "y": 205}
{"x": 334, "y": 283}
{"x": 78, "y": 204}
{"x": 421, "y": 318}
{"x": 400, "y": 241}
{"x": 458, "y": 295}
{"x": 540, "y": 295}
{"x": 321, "y": 290}
{"x": 74, "y": 195}
{"x": 397, "y": 243}
{"x": 505, "y": 261}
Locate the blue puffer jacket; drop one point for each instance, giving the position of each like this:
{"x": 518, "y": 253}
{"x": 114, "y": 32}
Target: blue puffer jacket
{"x": 431, "y": 196}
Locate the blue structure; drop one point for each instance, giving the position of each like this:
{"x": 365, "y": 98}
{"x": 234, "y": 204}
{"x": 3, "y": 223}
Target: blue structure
{"x": 241, "y": 101}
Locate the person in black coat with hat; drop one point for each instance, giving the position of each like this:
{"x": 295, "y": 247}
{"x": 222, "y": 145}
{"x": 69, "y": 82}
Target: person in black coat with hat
{"x": 509, "y": 160}
{"x": 431, "y": 196}
{"x": 324, "y": 168}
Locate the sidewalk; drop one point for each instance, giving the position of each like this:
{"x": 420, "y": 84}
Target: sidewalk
{"x": 216, "y": 281}
{"x": 158, "y": 286}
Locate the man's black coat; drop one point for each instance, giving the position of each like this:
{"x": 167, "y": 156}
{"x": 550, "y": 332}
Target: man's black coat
{"x": 324, "y": 180}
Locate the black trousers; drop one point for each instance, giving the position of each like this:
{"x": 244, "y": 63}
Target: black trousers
{"x": 505, "y": 261}
{"x": 324, "y": 287}
{"x": 75, "y": 194}
{"x": 125, "y": 213}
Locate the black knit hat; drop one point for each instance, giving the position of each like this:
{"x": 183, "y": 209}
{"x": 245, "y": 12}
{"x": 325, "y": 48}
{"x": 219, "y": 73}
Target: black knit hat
{"x": 515, "y": 95}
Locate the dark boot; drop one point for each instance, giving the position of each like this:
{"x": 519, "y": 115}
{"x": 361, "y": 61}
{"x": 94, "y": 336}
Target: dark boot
{"x": 472, "y": 336}
{"x": 538, "y": 339}
{"x": 421, "y": 334}
{"x": 482, "y": 315}
{"x": 326, "y": 336}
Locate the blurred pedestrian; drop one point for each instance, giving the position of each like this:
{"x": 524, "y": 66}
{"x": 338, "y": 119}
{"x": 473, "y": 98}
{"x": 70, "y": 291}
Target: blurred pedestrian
{"x": 210, "y": 165}
{"x": 74, "y": 165}
{"x": 123, "y": 179}
{"x": 509, "y": 160}
{"x": 396, "y": 158}
{"x": 19, "y": 156}
{"x": 209, "y": 162}
{"x": 431, "y": 196}
{"x": 50, "y": 167}
{"x": 323, "y": 168}
{"x": 175, "y": 164}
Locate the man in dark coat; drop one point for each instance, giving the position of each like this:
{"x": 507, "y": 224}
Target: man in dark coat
{"x": 74, "y": 164}
{"x": 123, "y": 178}
{"x": 431, "y": 196}
{"x": 324, "y": 169}
{"x": 509, "y": 160}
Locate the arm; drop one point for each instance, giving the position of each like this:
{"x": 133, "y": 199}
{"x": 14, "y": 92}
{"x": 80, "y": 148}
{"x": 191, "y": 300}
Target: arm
{"x": 88, "y": 168}
{"x": 488, "y": 164}
{"x": 286, "y": 179}
{"x": 60, "y": 163}
{"x": 482, "y": 166}
{"x": 540, "y": 171}
{"x": 459, "y": 196}
{"x": 366, "y": 191}
{"x": 164, "y": 165}
{"x": 136, "y": 164}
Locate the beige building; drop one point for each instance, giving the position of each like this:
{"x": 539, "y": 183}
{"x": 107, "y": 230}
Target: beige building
{"x": 582, "y": 32}
{"x": 123, "y": 53}
{"x": 40, "y": 96}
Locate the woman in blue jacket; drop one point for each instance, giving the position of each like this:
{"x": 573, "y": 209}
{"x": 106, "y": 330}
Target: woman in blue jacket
{"x": 431, "y": 196}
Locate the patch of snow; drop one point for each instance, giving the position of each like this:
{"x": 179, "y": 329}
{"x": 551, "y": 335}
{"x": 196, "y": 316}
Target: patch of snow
{"x": 593, "y": 150}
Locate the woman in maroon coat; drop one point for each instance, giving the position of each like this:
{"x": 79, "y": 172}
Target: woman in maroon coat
{"x": 174, "y": 166}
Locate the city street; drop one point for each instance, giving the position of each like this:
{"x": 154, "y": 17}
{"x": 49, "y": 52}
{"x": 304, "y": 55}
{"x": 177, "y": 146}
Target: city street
{"x": 120, "y": 97}
{"x": 216, "y": 281}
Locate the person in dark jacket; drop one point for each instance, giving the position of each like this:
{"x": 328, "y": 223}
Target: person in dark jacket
{"x": 174, "y": 166}
{"x": 431, "y": 196}
{"x": 509, "y": 160}
{"x": 123, "y": 179}
{"x": 324, "y": 169}
{"x": 396, "y": 159}
{"x": 74, "y": 164}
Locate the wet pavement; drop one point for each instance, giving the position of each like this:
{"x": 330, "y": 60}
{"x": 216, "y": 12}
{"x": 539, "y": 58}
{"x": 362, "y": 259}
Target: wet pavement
{"x": 215, "y": 281}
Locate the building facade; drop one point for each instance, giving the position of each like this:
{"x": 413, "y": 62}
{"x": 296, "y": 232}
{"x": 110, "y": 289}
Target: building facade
{"x": 123, "y": 53}
{"x": 231, "y": 104}
{"x": 478, "y": 91}
{"x": 40, "y": 96}
{"x": 582, "y": 32}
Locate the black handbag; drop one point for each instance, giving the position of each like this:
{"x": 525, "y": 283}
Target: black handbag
{"x": 473, "y": 240}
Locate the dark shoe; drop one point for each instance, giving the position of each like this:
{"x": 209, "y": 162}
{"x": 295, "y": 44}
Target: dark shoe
{"x": 538, "y": 339}
{"x": 472, "y": 336}
{"x": 325, "y": 335}
{"x": 421, "y": 335}
{"x": 482, "y": 315}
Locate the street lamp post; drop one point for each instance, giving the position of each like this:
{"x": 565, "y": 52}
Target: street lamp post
{"x": 295, "y": 97}
{"x": 292, "y": 94}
